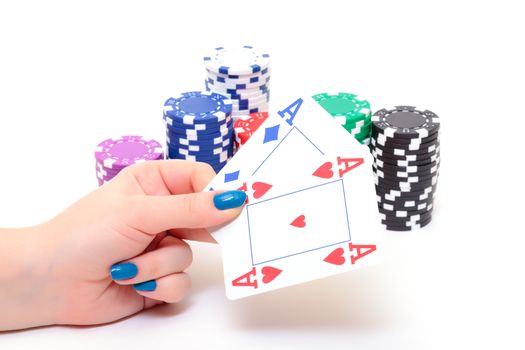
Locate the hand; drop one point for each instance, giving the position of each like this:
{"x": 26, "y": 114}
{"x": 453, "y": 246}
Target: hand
{"x": 121, "y": 248}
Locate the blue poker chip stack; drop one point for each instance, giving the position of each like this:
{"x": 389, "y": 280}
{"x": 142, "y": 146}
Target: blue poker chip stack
{"x": 199, "y": 127}
{"x": 243, "y": 75}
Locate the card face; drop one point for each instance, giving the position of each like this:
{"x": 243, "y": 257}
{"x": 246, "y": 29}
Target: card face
{"x": 297, "y": 223}
{"x": 311, "y": 208}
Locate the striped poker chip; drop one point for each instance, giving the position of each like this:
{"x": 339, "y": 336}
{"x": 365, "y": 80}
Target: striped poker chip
{"x": 404, "y": 219}
{"x": 391, "y": 209}
{"x": 127, "y": 150}
{"x": 197, "y": 107}
{"x": 405, "y": 122}
{"x": 408, "y": 225}
{"x": 395, "y": 195}
{"x": 406, "y": 186}
{"x": 247, "y": 125}
{"x": 236, "y": 85}
{"x": 243, "y": 60}
{"x": 406, "y": 204}
{"x": 349, "y": 111}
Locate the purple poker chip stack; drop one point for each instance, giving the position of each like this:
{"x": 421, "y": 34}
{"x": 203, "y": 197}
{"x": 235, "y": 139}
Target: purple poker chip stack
{"x": 113, "y": 155}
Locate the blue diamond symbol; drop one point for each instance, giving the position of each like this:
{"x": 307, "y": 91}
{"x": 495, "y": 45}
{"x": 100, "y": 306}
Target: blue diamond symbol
{"x": 231, "y": 176}
{"x": 271, "y": 133}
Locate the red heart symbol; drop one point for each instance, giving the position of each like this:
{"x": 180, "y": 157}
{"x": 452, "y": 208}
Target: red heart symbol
{"x": 336, "y": 257}
{"x": 269, "y": 273}
{"x": 324, "y": 171}
{"x": 299, "y": 221}
{"x": 260, "y": 189}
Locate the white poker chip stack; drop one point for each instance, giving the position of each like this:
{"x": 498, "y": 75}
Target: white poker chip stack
{"x": 243, "y": 75}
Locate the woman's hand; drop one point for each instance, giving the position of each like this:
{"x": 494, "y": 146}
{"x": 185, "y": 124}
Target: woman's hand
{"x": 115, "y": 252}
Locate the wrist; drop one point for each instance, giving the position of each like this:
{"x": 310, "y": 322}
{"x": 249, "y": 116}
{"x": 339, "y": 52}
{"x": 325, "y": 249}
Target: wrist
{"x": 27, "y": 292}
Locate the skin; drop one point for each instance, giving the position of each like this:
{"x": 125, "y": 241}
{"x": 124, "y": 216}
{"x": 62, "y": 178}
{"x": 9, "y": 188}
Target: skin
{"x": 58, "y": 272}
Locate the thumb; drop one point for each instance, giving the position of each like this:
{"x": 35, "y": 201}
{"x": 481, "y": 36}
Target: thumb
{"x": 154, "y": 214}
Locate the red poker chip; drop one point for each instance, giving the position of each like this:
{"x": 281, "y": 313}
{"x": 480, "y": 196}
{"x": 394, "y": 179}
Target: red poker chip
{"x": 246, "y": 125}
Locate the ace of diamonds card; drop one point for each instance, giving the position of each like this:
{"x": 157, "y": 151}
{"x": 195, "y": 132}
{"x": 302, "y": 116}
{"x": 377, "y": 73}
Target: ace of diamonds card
{"x": 311, "y": 210}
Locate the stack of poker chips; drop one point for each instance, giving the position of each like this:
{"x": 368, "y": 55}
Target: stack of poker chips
{"x": 246, "y": 125}
{"x": 243, "y": 75}
{"x": 351, "y": 112}
{"x": 113, "y": 155}
{"x": 199, "y": 127}
{"x": 405, "y": 146}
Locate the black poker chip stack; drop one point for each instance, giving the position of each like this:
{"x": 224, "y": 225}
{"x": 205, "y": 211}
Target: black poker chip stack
{"x": 405, "y": 146}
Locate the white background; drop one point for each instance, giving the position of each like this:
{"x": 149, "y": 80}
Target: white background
{"x": 73, "y": 73}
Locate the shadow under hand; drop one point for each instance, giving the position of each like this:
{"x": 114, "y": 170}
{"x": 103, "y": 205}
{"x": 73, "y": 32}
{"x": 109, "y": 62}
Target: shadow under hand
{"x": 169, "y": 310}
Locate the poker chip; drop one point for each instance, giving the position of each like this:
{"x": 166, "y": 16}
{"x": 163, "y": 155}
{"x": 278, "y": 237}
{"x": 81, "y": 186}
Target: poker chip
{"x": 198, "y": 140}
{"x": 197, "y": 107}
{"x": 405, "y": 122}
{"x": 236, "y": 84}
{"x": 405, "y": 219}
{"x": 246, "y": 125}
{"x": 416, "y": 195}
{"x": 199, "y": 147}
{"x": 250, "y": 109}
{"x": 412, "y": 147}
{"x": 405, "y": 162}
{"x": 396, "y": 172}
{"x": 405, "y": 145}
{"x": 349, "y": 111}
{"x": 113, "y": 155}
{"x": 407, "y": 226}
{"x": 242, "y": 74}
{"x": 393, "y": 211}
{"x": 405, "y": 181}
{"x": 251, "y": 101}
{"x": 199, "y": 128}
{"x": 404, "y": 203}
{"x": 405, "y": 186}
{"x": 383, "y": 140}
{"x": 243, "y": 60}
{"x": 184, "y": 132}
{"x": 261, "y": 76}
{"x": 243, "y": 94}
{"x": 205, "y": 128}
{"x": 211, "y": 157}
{"x": 425, "y": 149}
{"x": 413, "y": 159}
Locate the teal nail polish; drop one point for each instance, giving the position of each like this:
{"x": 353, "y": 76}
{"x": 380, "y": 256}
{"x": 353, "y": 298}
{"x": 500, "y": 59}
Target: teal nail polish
{"x": 123, "y": 271}
{"x": 148, "y": 286}
{"x": 229, "y": 199}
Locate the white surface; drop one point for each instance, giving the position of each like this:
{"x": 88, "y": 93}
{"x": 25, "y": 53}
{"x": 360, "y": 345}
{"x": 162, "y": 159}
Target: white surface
{"x": 73, "y": 74}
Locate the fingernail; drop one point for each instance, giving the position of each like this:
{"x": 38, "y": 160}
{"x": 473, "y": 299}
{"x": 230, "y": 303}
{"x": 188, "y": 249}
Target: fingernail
{"x": 229, "y": 199}
{"x": 123, "y": 271}
{"x": 148, "y": 286}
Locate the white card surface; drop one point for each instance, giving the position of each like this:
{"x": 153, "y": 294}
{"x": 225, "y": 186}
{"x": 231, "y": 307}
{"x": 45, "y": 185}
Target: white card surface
{"x": 311, "y": 208}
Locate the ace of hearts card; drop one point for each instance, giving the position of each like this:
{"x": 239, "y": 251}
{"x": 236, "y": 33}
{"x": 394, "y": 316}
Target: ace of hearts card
{"x": 311, "y": 210}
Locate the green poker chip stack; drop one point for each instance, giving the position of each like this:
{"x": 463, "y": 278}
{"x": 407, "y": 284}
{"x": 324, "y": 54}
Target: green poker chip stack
{"x": 350, "y": 112}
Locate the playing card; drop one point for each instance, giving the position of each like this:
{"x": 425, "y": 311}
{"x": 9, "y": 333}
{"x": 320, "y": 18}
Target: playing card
{"x": 311, "y": 208}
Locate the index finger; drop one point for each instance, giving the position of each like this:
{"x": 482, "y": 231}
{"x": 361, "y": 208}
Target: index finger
{"x": 165, "y": 177}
